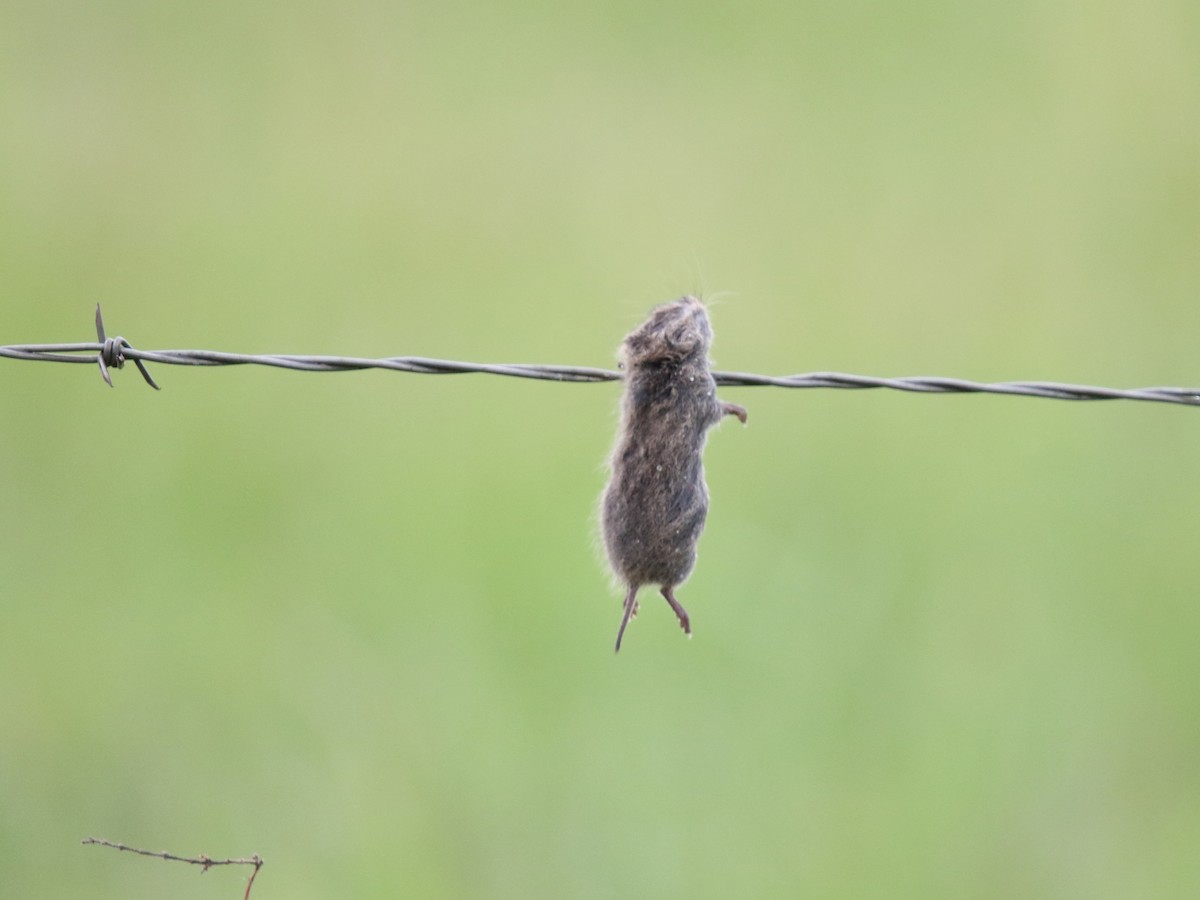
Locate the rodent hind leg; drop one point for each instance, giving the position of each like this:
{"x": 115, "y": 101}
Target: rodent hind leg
{"x": 685, "y": 623}
{"x": 732, "y": 409}
{"x": 631, "y": 611}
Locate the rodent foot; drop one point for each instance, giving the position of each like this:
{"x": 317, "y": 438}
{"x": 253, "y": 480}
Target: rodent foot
{"x": 732, "y": 409}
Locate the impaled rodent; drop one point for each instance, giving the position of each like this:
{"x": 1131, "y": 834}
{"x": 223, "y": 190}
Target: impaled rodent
{"x": 656, "y": 500}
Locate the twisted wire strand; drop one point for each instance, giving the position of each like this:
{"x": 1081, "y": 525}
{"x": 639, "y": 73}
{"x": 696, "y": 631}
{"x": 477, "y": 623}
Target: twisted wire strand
{"x": 112, "y": 353}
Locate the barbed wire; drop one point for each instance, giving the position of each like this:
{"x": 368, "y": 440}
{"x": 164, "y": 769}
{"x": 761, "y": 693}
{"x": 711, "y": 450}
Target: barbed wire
{"x": 112, "y": 353}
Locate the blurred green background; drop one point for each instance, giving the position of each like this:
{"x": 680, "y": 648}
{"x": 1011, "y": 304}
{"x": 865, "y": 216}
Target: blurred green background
{"x": 945, "y": 646}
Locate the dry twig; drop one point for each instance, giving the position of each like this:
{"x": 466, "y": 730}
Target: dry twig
{"x": 203, "y": 860}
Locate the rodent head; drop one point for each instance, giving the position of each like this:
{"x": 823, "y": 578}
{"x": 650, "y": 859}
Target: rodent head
{"x": 674, "y": 332}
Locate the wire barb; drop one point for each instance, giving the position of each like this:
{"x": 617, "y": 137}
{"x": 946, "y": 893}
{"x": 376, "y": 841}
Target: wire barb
{"x": 111, "y": 353}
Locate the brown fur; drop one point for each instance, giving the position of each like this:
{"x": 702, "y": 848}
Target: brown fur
{"x": 656, "y": 501}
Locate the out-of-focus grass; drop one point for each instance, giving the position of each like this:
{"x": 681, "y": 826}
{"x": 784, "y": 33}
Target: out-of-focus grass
{"x": 944, "y": 646}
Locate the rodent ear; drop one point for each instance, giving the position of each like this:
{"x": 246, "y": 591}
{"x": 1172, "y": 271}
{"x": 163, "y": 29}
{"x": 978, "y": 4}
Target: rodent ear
{"x": 668, "y": 346}
{"x": 681, "y": 338}
{"x": 673, "y": 332}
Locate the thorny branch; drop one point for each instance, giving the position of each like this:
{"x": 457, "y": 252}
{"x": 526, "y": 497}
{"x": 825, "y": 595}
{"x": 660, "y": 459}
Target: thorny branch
{"x": 203, "y": 860}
